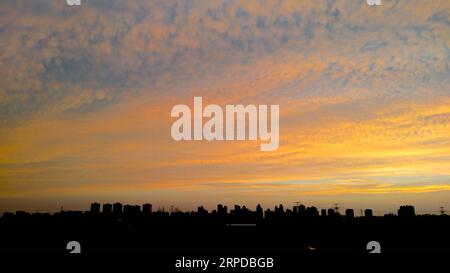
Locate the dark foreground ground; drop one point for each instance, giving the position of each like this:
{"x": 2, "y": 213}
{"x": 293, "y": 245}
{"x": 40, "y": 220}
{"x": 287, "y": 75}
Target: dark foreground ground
{"x": 166, "y": 239}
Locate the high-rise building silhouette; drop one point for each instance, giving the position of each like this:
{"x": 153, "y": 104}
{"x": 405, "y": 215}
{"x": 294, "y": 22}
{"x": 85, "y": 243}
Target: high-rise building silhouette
{"x": 331, "y": 212}
{"x": 368, "y": 213}
{"x": 202, "y": 211}
{"x": 301, "y": 210}
{"x": 147, "y": 209}
{"x": 259, "y": 212}
{"x": 349, "y": 214}
{"x": 312, "y": 212}
{"x": 107, "y": 208}
{"x": 406, "y": 211}
{"x": 117, "y": 208}
{"x": 131, "y": 210}
{"x": 221, "y": 209}
{"x": 95, "y": 208}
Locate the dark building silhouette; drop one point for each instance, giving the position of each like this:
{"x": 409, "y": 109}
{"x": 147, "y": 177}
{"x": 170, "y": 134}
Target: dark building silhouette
{"x": 331, "y": 212}
{"x": 349, "y": 214}
{"x": 259, "y": 212}
{"x": 127, "y": 209}
{"x": 117, "y": 208}
{"x": 312, "y": 212}
{"x": 368, "y": 213}
{"x": 268, "y": 214}
{"x": 406, "y": 211}
{"x": 131, "y": 210}
{"x": 21, "y": 213}
{"x": 147, "y": 208}
{"x": 95, "y": 208}
{"x": 323, "y": 212}
{"x": 202, "y": 211}
{"x": 301, "y": 210}
{"x": 107, "y": 208}
{"x": 221, "y": 209}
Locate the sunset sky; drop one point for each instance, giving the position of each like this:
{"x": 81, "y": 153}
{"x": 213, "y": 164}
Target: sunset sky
{"x": 86, "y": 94}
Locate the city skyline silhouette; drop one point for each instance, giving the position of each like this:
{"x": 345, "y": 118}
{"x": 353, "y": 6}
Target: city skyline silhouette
{"x": 117, "y": 228}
